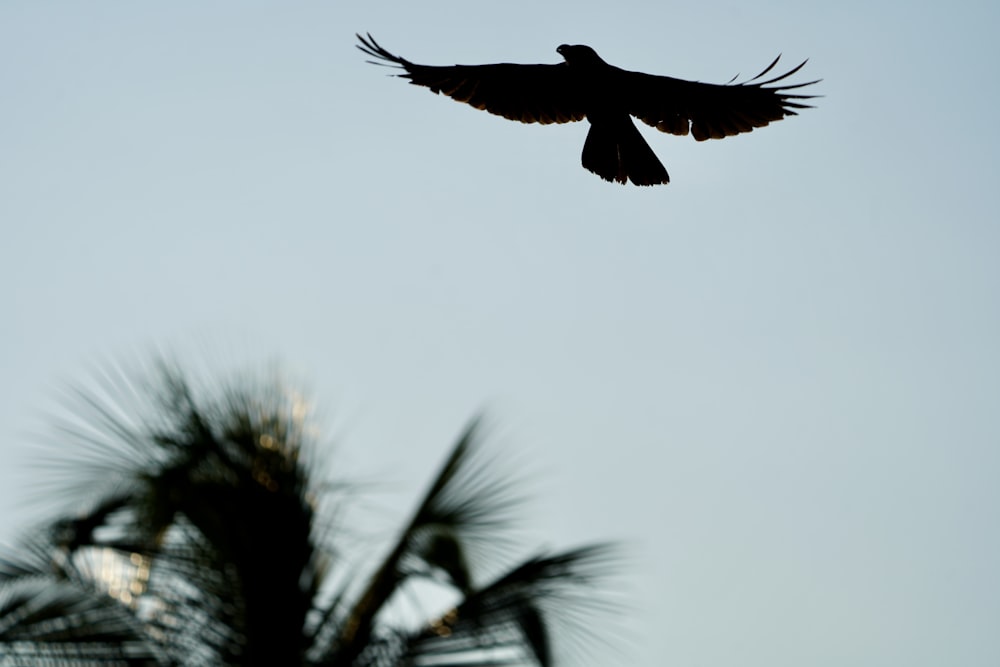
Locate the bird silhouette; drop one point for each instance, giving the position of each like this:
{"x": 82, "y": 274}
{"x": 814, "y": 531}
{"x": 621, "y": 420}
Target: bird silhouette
{"x": 585, "y": 86}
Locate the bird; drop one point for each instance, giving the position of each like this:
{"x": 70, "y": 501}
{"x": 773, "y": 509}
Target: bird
{"x": 584, "y": 86}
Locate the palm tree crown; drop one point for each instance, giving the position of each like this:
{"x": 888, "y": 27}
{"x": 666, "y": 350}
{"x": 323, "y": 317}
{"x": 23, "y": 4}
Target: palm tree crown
{"x": 204, "y": 539}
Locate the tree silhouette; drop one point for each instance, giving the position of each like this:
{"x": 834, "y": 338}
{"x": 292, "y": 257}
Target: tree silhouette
{"x": 205, "y": 536}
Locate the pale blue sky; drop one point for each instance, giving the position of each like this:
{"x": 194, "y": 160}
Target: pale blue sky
{"x": 777, "y": 378}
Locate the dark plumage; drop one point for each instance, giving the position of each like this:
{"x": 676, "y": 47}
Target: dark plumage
{"x": 584, "y": 86}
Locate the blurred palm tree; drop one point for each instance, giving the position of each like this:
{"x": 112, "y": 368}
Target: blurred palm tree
{"x": 204, "y": 537}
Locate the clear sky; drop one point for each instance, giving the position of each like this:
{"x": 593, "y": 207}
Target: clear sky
{"x": 776, "y": 379}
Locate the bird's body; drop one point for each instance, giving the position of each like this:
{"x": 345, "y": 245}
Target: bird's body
{"x": 585, "y": 86}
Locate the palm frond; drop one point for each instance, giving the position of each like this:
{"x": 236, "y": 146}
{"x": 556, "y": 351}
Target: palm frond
{"x": 57, "y": 618}
{"x": 463, "y": 513}
{"x": 61, "y": 621}
{"x": 516, "y": 617}
{"x": 212, "y": 484}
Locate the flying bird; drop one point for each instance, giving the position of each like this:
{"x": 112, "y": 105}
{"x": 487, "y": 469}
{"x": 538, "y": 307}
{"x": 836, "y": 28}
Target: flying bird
{"x": 584, "y": 86}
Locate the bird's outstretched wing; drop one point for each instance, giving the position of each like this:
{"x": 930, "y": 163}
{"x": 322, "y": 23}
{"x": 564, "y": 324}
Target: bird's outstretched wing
{"x": 710, "y": 111}
{"x": 526, "y": 93}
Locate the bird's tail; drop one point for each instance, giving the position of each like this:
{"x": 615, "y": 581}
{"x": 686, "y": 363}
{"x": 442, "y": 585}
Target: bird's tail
{"x": 615, "y": 151}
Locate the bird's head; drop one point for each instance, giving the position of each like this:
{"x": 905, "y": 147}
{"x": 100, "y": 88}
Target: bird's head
{"x": 579, "y": 54}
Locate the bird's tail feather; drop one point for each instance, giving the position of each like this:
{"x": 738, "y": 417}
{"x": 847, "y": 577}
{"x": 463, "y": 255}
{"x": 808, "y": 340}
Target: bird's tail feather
{"x": 615, "y": 151}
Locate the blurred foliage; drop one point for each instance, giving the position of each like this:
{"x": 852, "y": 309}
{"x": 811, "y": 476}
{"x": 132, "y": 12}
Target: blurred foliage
{"x": 204, "y": 536}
